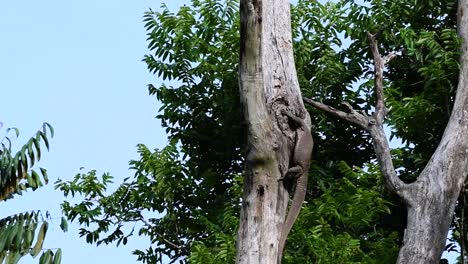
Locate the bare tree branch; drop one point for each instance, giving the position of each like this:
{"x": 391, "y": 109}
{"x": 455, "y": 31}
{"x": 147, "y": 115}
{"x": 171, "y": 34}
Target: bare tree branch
{"x": 379, "y": 63}
{"x": 384, "y": 158}
{"x": 379, "y": 139}
{"x": 352, "y": 116}
{"x": 373, "y": 124}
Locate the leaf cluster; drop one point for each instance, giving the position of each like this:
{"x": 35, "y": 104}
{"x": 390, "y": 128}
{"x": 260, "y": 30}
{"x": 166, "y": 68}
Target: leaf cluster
{"x": 18, "y": 238}
{"x": 16, "y": 174}
{"x": 18, "y": 232}
{"x": 343, "y": 224}
{"x": 185, "y": 197}
{"x": 420, "y": 81}
{"x": 162, "y": 201}
{"x": 195, "y": 49}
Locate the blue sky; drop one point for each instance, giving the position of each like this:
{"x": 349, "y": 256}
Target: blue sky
{"x": 77, "y": 65}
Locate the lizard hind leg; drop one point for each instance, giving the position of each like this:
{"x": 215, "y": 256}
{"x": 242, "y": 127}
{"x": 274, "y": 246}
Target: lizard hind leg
{"x": 292, "y": 173}
{"x": 291, "y": 176}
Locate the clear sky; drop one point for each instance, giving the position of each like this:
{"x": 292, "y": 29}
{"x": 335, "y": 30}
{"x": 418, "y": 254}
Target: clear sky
{"x": 77, "y": 65}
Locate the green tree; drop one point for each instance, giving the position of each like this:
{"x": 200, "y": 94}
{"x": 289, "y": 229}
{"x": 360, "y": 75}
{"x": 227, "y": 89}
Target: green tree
{"x": 190, "y": 195}
{"x": 186, "y": 197}
{"x": 430, "y": 195}
{"x": 17, "y": 175}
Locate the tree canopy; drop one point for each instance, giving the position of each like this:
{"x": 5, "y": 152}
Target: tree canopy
{"x": 185, "y": 197}
{"x": 18, "y": 174}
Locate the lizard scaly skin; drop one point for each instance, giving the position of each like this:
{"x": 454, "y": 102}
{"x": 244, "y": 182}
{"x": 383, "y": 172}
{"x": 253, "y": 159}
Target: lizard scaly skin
{"x": 301, "y": 161}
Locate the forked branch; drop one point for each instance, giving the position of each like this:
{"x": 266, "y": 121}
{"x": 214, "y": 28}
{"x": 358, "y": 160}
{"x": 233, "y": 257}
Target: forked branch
{"x": 379, "y": 64}
{"x": 374, "y": 123}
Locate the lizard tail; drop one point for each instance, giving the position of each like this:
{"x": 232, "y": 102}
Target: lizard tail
{"x": 299, "y": 196}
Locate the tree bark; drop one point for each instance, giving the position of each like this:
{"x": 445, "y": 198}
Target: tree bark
{"x": 431, "y": 199}
{"x": 268, "y": 86}
{"x": 428, "y": 221}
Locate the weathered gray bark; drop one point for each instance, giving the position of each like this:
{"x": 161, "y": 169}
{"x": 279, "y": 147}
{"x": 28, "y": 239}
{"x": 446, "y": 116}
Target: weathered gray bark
{"x": 432, "y": 197}
{"x": 268, "y": 86}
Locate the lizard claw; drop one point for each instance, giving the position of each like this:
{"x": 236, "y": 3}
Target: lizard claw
{"x": 286, "y": 112}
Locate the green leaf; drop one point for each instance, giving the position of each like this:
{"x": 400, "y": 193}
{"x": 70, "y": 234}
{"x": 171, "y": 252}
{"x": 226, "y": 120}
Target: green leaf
{"x": 31, "y": 154}
{"x": 36, "y": 142}
{"x": 14, "y": 129}
{"x": 19, "y": 235}
{"x": 31, "y": 181}
{"x": 46, "y": 257}
{"x": 3, "y": 238}
{"x": 44, "y": 138}
{"x": 28, "y": 237}
{"x": 40, "y": 240}
{"x": 24, "y": 161}
{"x": 51, "y": 129}
{"x": 13, "y": 257}
{"x": 64, "y": 224}
{"x": 36, "y": 178}
{"x": 11, "y": 234}
{"x": 58, "y": 256}
{"x": 44, "y": 175}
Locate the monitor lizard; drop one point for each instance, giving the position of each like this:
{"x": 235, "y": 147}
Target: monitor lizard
{"x": 298, "y": 173}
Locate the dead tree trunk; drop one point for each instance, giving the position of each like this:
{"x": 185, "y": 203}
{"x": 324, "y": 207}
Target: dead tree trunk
{"x": 431, "y": 199}
{"x": 268, "y": 88}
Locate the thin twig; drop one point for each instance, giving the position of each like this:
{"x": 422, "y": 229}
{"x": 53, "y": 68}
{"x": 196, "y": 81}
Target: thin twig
{"x": 179, "y": 247}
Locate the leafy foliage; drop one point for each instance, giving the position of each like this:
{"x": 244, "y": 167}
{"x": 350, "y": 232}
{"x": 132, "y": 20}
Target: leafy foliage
{"x": 344, "y": 224}
{"x": 14, "y": 169}
{"x": 190, "y": 194}
{"x": 171, "y": 219}
{"x": 18, "y": 232}
{"x": 18, "y": 238}
{"x": 185, "y": 197}
{"x": 420, "y": 81}
{"x": 190, "y": 47}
